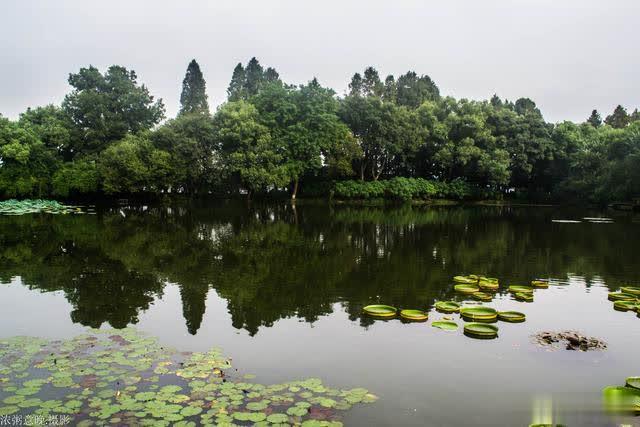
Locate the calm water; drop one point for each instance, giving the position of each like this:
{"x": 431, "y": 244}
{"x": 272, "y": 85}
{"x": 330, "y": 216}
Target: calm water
{"x": 281, "y": 289}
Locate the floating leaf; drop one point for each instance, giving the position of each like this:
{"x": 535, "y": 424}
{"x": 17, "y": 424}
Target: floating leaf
{"x": 480, "y": 330}
{"x": 523, "y": 296}
{"x": 511, "y": 316}
{"x": 379, "y": 310}
{"x": 446, "y": 325}
{"x": 414, "y": 315}
{"x": 482, "y": 296}
{"x": 633, "y": 290}
{"x": 621, "y": 296}
{"x": 520, "y": 289}
{"x": 621, "y": 399}
{"x": 466, "y": 289}
{"x": 625, "y": 305}
{"x": 633, "y": 382}
{"x": 447, "y": 306}
{"x": 479, "y": 313}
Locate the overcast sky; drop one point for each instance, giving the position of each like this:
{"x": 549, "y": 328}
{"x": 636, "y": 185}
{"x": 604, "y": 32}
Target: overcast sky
{"x": 569, "y": 56}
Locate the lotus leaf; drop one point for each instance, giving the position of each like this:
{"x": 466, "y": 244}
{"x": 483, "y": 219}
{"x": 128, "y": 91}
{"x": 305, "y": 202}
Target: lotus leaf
{"x": 539, "y": 283}
{"x": 479, "y": 313}
{"x": 633, "y": 382}
{"x": 634, "y": 290}
{"x": 482, "y": 296}
{"x": 447, "y": 306}
{"x": 625, "y": 305}
{"x": 414, "y": 315}
{"x": 523, "y": 296}
{"x": 520, "y": 289}
{"x": 465, "y": 280}
{"x": 482, "y": 330}
{"x": 511, "y": 316}
{"x": 379, "y": 310}
{"x": 621, "y": 296}
{"x": 621, "y": 399}
{"x": 466, "y": 289}
{"x": 446, "y": 325}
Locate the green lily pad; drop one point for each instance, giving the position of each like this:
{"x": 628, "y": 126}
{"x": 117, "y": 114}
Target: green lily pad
{"x": 447, "y": 306}
{"x": 621, "y": 296}
{"x": 379, "y": 310}
{"x": 466, "y": 289}
{"x": 488, "y": 285}
{"x": 445, "y": 324}
{"x": 480, "y": 330}
{"x": 625, "y": 305}
{"x": 520, "y": 289}
{"x": 278, "y": 418}
{"x": 634, "y": 290}
{"x": 511, "y": 316}
{"x": 414, "y": 315}
{"x": 479, "y": 313}
{"x": 539, "y": 283}
{"x": 523, "y": 296}
{"x": 621, "y": 400}
{"x": 482, "y": 296}
{"x": 465, "y": 280}
{"x": 633, "y": 382}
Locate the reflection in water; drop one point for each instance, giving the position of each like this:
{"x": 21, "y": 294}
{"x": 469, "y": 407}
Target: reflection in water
{"x": 271, "y": 262}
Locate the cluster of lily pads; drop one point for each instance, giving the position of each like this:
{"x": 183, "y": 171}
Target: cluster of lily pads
{"x": 28, "y": 206}
{"x": 628, "y": 299}
{"x": 623, "y": 400}
{"x": 483, "y": 288}
{"x": 478, "y": 317}
{"x": 123, "y": 377}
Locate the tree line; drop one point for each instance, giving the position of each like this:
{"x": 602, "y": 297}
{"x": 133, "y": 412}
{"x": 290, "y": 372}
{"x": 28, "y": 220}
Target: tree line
{"x": 384, "y": 136}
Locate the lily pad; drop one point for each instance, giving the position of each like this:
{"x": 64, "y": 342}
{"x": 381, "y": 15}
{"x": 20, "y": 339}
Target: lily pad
{"x": 465, "y": 280}
{"x": 521, "y": 289}
{"x": 479, "y": 313}
{"x": 633, "y": 382}
{"x": 379, "y": 310}
{"x": 488, "y": 285}
{"x": 625, "y": 305}
{"x": 621, "y": 400}
{"x": 482, "y": 296}
{"x": 540, "y": 283}
{"x": 621, "y": 296}
{"x": 414, "y": 315}
{"x": 447, "y": 306}
{"x": 466, "y": 289}
{"x": 523, "y": 296}
{"x": 634, "y": 290}
{"x": 511, "y": 316}
{"x": 480, "y": 330}
{"x": 445, "y": 324}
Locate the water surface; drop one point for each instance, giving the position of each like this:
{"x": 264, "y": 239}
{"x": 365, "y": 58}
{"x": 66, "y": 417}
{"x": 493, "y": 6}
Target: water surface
{"x": 281, "y": 289}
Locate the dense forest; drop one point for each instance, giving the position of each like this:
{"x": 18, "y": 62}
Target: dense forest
{"x": 395, "y": 138}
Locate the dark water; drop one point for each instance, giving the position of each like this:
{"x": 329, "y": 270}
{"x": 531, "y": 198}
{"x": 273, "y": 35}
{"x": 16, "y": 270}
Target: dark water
{"x": 281, "y": 289}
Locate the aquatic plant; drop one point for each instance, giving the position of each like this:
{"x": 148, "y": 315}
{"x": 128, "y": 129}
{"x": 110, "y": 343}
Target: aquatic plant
{"x": 621, "y": 400}
{"x": 465, "y": 280}
{"x": 621, "y": 296}
{"x": 633, "y": 382}
{"x": 523, "y": 296}
{"x": 447, "y": 325}
{"x": 480, "y": 330}
{"x": 123, "y": 377}
{"x": 521, "y": 289}
{"x": 540, "y": 283}
{"x": 466, "y": 289}
{"x": 28, "y": 206}
{"x": 479, "y": 313}
{"x": 488, "y": 285}
{"x": 447, "y": 306}
{"x": 511, "y": 316}
{"x": 380, "y": 310}
{"x": 625, "y": 305}
{"x": 414, "y": 315}
{"x": 633, "y": 290}
{"x": 482, "y": 296}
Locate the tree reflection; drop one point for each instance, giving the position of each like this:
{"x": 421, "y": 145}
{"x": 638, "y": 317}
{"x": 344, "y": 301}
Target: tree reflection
{"x": 271, "y": 262}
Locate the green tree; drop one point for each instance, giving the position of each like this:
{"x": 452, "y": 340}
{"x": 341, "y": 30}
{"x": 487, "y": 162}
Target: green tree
{"x": 235, "y": 92}
{"x": 371, "y": 84}
{"x": 356, "y": 85}
{"x": 594, "y": 119}
{"x": 618, "y": 119}
{"x": 413, "y": 90}
{"x": 193, "y": 98}
{"x": 105, "y": 107}
{"x": 247, "y": 151}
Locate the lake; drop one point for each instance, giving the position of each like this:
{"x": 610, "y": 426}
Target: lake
{"x": 281, "y": 288}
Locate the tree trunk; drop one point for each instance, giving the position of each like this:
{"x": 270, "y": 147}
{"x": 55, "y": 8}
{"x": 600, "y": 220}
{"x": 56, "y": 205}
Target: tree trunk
{"x": 295, "y": 189}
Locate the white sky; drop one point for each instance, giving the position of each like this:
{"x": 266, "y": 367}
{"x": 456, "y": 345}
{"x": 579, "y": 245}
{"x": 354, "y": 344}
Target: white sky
{"x": 569, "y": 56}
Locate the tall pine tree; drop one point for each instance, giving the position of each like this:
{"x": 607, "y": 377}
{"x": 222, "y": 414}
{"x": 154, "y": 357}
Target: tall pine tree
{"x": 594, "y": 119}
{"x": 194, "y": 97}
{"x": 235, "y": 91}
